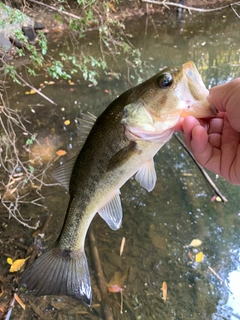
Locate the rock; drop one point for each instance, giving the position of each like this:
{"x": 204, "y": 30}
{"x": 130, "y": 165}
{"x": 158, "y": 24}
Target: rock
{"x": 38, "y": 25}
{"x": 5, "y": 44}
{"x": 13, "y": 21}
{"x": 29, "y": 32}
{"x": 5, "y": 48}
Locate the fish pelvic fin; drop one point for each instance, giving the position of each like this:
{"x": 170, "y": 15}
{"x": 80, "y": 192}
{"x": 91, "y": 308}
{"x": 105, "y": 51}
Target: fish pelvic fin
{"x": 59, "y": 272}
{"x": 146, "y": 175}
{"x": 112, "y": 212}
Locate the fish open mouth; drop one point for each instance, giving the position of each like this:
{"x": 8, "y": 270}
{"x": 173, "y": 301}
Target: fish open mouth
{"x": 198, "y": 106}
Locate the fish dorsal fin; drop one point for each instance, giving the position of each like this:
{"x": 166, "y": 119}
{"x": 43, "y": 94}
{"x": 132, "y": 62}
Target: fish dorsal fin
{"x": 112, "y": 212}
{"x": 63, "y": 173}
{"x": 146, "y": 175}
{"x": 84, "y": 126}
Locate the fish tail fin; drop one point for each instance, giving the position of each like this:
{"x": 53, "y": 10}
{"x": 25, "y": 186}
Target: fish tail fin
{"x": 59, "y": 272}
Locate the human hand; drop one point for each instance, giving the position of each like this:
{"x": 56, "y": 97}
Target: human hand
{"x": 215, "y": 142}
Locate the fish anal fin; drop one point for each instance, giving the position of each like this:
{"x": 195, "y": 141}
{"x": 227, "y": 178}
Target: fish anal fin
{"x": 123, "y": 155}
{"x": 59, "y": 272}
{"x": 63, "y": 173}
{"x": 146, "y": 175}
{"x": 112, "y": 212}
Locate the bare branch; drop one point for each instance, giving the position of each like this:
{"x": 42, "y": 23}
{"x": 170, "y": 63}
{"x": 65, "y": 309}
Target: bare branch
{"x": 173, "y": 4}
{"x": 38, "y": 91}
{"x": 55, "y": 9}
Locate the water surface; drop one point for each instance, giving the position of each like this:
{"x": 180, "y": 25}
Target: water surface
{"x": 159, "y": 225}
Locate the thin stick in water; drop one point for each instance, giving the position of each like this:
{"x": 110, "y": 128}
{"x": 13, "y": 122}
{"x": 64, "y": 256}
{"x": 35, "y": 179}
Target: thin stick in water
{"x": 204, "y": 173}
{"x": 108, "y": 315}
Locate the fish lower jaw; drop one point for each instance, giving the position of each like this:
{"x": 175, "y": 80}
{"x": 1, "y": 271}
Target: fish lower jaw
{"x": 162, "y": 136}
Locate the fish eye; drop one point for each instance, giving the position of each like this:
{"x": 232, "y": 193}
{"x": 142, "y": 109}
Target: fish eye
{"x": 165, "y": 80}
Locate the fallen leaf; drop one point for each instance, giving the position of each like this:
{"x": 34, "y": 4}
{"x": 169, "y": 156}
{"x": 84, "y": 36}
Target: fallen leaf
{"x": 164, "y": 290}
{"x": 190, "y": 255}
{"x": 67, "y": 122}
{"x": 216, "y": 198}
{"x": 2, "y": 285}
{"x": 116, "y": 284}
{"x": 195, "y": 243}
{"x": 111, "y": 5}
{"x": 9, "y": 261}
{"x": 32, "y": 91}
{"x": 61, "y": 152}
{"x": 199, "y": 257}
{"x": 213, "y": 198}
{"x": 122, "y": 246}
{"x": 17, "y": 265}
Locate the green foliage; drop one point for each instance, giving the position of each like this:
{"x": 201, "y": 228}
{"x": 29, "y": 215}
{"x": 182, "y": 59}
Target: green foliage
{"x": 31, "y": 140}
{"x": 85, "y": 65}
{"x": 92, "y": 13}
{"x": 11, "y": 71}
{"x": 56, "y": 70}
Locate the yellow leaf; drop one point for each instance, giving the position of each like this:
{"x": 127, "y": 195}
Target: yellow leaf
{"x": 17, "y": 265}
{"x": 61, "y": 152}
{"x": 67, "y": 122}
{"x": 32, "y": 91}
{"x": 195, "y": 243}
{"x": 9, "y": 261}
{"x": 199, "y": 257}
{"x": 27, "y": 92}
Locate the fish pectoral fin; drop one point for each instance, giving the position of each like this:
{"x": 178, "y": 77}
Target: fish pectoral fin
{"x": 63, "y": 173}
{"x": 59, "y": 272}
{"x": 123, "y": 155}
{"x": 112, "y": 212}
{"x": 146, "y": 175}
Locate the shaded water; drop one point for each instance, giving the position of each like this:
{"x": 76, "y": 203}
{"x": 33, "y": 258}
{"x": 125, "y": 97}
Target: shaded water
{"x": 158, "y": 225}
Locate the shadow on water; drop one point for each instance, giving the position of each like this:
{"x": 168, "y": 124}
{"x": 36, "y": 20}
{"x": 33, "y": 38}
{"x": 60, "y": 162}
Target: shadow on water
{"x": 157, "y": 226}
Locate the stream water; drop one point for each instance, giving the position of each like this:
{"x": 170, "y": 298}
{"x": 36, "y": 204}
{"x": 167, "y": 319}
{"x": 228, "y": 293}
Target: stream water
{"x": 157, "y": 226}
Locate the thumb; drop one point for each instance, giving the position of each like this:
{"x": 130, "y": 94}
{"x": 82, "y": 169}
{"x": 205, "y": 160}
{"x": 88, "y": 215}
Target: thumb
{"x": 226, "y": 97}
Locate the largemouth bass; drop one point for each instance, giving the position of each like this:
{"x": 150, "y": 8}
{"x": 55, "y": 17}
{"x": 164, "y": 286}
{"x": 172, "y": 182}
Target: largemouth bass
{"x": 122, "y": 141}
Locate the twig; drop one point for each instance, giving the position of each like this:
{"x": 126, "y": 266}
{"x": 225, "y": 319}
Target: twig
{"x": 204, "y": 173}
{"x": 173, "y": 4}
{"x": 38, "y": 91}
{"x": 46, "y": 223}
{"x": 55, "y": 9}
{"x": 108, "y": 315}
{"x": 37, "y": 310}
{"x": 234, "y": 10}
{"x": 216, "y": 274}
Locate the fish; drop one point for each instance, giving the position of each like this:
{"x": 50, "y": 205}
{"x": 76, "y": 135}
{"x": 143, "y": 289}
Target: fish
{"x": 118, "y": 144}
